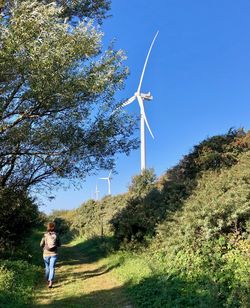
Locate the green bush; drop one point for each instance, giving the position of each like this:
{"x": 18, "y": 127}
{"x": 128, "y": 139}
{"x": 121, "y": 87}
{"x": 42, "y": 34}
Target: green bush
{"x": 17, "y": 280}
{"x": 216, "y": 275}
{"x": 200, "y": 256}
{"x": 219, "y": 206}
{"x": 213, "y": 153}
{"x": 143, "y": 210}
{"x": 93, "y": 217}
{"x": 150, "y": 202}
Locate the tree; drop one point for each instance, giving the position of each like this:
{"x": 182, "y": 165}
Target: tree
{"x": 95, "y": 9}
{"x": 19, "y": 214}
{"x": 56, "y": 98}
{"x": 142, "y": 184}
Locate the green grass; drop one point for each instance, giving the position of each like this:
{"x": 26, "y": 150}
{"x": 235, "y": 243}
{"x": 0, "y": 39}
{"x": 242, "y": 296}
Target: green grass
{"x": 132, "y": 267}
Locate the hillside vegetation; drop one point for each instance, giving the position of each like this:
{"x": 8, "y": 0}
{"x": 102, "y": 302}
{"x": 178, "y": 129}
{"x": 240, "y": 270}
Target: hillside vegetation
{"x": 183, "y": 239}
{"x": 180, "y": 240}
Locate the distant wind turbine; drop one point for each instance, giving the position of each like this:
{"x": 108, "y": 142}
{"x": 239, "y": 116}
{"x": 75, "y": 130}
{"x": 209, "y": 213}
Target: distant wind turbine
{"x": 96, "y": 192}
{"x": 141, "y": 97}
{"x": 108, "y": 179}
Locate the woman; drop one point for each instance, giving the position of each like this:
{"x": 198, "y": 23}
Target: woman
{"x": 50, "y": 242}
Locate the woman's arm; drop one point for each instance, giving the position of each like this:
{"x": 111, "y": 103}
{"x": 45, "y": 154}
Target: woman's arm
{"x": 42, "y": 243}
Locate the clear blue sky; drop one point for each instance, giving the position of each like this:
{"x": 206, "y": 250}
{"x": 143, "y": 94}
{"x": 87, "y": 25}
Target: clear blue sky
{"x": 198, "y": 73}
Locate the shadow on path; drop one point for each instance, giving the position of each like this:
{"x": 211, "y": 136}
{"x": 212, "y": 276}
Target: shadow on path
{"x": 88, "y": 251}
{"x": 76, "y": 276}
{"x": 96, "y": 299}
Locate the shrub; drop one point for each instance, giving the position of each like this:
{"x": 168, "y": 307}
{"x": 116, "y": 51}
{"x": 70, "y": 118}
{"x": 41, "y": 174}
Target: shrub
{"x": 216, "y": 275}
{"x": 93, "y": 217}
{"x": 17, "y": 280}
{"x": 219, "y": 206}
{"x": 142, "y": 211}
{"x": 150, "y": 202}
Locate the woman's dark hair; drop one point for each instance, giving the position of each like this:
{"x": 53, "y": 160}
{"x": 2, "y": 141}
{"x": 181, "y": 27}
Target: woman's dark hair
{"x": 50, "y": 227}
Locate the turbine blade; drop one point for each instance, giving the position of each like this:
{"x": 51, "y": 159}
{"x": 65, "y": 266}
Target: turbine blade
{"x": 110, "y": 174}
{"x": 140, "y": 100}
{"x": 103, "y": 178}
{"x": 146, "y": 61}
{"x": 129, "y": 101}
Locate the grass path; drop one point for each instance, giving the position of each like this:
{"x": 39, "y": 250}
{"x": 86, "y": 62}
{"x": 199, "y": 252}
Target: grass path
{"x": 82, "y": 280}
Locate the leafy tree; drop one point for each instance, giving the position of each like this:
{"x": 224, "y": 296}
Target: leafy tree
{"x": 96, "y": 9}
{"x": 19, "y": 214}
{"x": 56, "y": 98}
{"x": 142, "y": 184}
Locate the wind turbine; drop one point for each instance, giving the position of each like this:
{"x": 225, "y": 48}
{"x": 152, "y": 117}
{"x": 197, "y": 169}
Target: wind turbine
{"x": 141, "y": 97}
{"x": 108, "y": 179}
{"x": 96, "y": 192}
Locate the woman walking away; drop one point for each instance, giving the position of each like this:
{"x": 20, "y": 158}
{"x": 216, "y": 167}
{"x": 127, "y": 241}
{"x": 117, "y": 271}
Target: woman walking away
{"x": 50, "y": 242}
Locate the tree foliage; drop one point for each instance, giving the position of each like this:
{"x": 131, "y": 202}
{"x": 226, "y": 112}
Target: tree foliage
{"x": 19, "y": 214}
{"x": 56, "y": 98}
{"x": 94, "y": 9}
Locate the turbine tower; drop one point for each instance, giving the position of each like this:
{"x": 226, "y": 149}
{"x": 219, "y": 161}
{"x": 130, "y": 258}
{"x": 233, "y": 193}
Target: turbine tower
{"x": 141, "y": 97}
{"x": 108, "y": 179}
{"x": 96, "y": 192}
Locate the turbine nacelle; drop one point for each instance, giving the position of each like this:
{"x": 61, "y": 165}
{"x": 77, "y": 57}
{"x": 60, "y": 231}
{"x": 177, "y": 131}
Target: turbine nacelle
{"x": 146, "y": 96}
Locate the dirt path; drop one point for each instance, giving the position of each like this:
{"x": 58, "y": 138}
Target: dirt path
{"x": 82, "y": 281}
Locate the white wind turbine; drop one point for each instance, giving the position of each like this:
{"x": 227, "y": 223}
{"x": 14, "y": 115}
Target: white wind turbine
{"x": 141, "y": 97}
{"x": 108, "y": 179}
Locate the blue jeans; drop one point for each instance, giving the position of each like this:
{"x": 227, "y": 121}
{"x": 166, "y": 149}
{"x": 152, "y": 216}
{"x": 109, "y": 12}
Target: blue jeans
{"x": 50, "y": 263}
